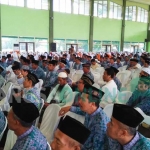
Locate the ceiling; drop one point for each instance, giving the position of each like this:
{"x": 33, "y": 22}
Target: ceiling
{"x": 142, "y": 1}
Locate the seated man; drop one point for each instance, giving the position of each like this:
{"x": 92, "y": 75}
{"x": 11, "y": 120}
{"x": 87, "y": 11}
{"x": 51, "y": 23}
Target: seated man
{"x": 44, "y": 65}
{"x": 117, "y": 81}
{"x": 50, "y": 79}
{"x": 62, "y": 65}
{"x": 118, "y": 63}
{"x": 69, "y": 81}
{"x": 94, "y": 64}
{"x": 122, "y": 128}
{"x": 67, "y": 62}
{"x": 134, "y": 64}
{"x": 10, "y": 60}
{"x": 141, "y": 96}
{"x": 95, "y": 119}
{"x": 3, "y": 62}
{"x": 110, "y": 89}
{"x": 38, "y": 71}
{"x": 112, "y": 63}
{"x": 86, "y": 70}
{"x": 77, "y": 64}
{"x": 66, "y": 136}
{"x": 62, "y": 93}
{"x": 20, "y": 119}
{"x": 17, "y": 72}
{"x": 126, "y": 61}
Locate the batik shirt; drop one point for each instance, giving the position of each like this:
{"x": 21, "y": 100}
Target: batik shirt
{"x": 39, "y": 72}
{"x": 118, "y": 65}
{"x": 51, "y": 79}
{"x": 118, "y": 83}
{"x": 97, "y": 124}
{"x": 141, "y": 100}
{"x": 3, "y": 64}
{"x": 33, "y": 95}
{"x": 77, "y": 66}
{"x": 32, "y": 139}
{"x": 2, "y": 121}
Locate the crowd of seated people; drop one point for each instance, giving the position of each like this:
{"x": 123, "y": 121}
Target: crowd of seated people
{"x": 99, "y": 131}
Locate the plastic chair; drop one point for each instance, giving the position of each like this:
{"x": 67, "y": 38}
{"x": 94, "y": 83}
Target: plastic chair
{"x": 39, "y": 84}
{"x": 108, "y": 110}
{"x": 123, "y": 97}
{"x": 50, "y": 121}
{"x": 3, "y": 129}
{"x": 48, "y": 146}
{"x": 76, "y": 77}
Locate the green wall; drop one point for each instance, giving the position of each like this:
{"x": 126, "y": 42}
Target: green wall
{"x": 27, "y": 22}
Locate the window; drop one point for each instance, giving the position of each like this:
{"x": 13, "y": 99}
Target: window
{"x": 4, "y": 1}
{"x": 37, "y": 4}
{"x": 41, "y": 45}
{"x": 60, "y": 44}
{"x": 115, "y": 11}
{"x": 131, "y": 13}
{"x": 83, "y": 45}
{"x": 95, "y": 8}
{"x": 142, "y": 15}
{"x": 102, "y": 9}
{"x": 97, "y": 45}
{"x": 76, "y": 6}
{"x": 115, "y": 46}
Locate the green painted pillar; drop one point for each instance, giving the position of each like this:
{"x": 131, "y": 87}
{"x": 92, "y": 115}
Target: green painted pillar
{"x": 148, "y": 33}
{"x": 0, "y": 31}
{"x": 91, "y": 25}
{"x": 51, "y": 19}
{"x": 123, "y": 25}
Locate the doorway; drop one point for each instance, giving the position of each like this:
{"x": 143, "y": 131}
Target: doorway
{"x": 27, "y": 46}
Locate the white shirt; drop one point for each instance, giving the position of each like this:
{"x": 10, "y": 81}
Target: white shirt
{"x": 111, "y": 91}
{"x": 138, "y": 66}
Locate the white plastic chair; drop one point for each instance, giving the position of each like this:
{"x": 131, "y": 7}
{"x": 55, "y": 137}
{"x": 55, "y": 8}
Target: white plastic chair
{"x": 122, "y": 68}
{"x": 123, "y": 97}
{"x": 96, "y": 76}
{"x": 3, "y": 129}
{"x": 39, "y": 84}
{"x": 37, "y": 120}
{"x": 76, "y": 77}
{"x": 96, "y": 85}
{"x": 50, "y": 121}
{"x": 123, "y": 77}
{"x": 108, "y": 110}
{"x": 48, "y": 146}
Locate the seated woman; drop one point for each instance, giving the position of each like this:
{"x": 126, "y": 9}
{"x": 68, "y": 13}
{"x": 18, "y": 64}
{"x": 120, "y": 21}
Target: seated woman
{"x": 141, "y": 96}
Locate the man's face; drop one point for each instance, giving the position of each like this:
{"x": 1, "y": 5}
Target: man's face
{"x": 105, "y": 76}
{"x": 84, "y": 103}
{"x": 80, "y": 85}
{"x": 61, "y": 141}
{"x": 61, "y": 81}
{"x": 16, "y": 72}
{"x": 93, "y": 63}
{"x": 34, "y": 66}
{"x": 86, "y": 69}
{"x": 111, "y": 61}
{"x": 24, "y": 73}
{"x": 61, "y": 65}
{"x": 118, "y": 61}
{"x": 113, "y": 129}
{"x": 51, "y": 67}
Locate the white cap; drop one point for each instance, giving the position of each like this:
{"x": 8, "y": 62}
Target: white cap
{"x": 62, "y": 75}
{"x": 147, "y": 70}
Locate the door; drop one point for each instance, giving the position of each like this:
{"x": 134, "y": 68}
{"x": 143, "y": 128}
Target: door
{"x": 106, "y": 48}
{"x": 27, "y": 46}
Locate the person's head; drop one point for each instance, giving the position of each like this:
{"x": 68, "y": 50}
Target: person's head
{"x": 62, "y": 78}
{"x": 142, "y": 58}
{"x": 146, "y": 63}
{"x": 78, "y": 60}
{"x": 90, "y": 99}
{"x": 86, "y": 68}
{"x": 115, "y": 70}
{"x": 65, "y": 56}
{"x": 44, "y": 63}
{"x": 25, "y": 70}
{"x": 62, "y": 63}
{"x": 9, "y": 57}
{"x": 51, "y": 65}
{"x": 66, "y": 137}
{"x": 133, "y": 62}
{"x": 85, "y": 80}
{"x": 22, "y": 115}
{"x": 30, "y": 80}
{"x": 41, "y": 57}
{"x": 108, "y": 74}
{"x": 126, "y": 58}
{"x": 145, "y": 72}
{"x": 93, "y": 61}
{"x": 27, "y": 62}
{"x": 112, "y": 60}
{"x": 89, "y": 58}
{"x": 3, "y": 58}
{"x": 67, "y": 71}
{"x": 144, "y": 83}
{"x": 35, "y": 64}
{"x": 101, "y": 59}
{"x": 118, "y": 59}
{"x": 123, "y": 124}
{"x": 16, "y": 70}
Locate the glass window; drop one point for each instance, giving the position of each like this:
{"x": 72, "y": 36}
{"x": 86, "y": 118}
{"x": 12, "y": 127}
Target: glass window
{"x": 45, "y": 4}
{"x": 83, "y": 45}
{"x": 60, "y": 44}
{"x": 97, "y": 46}
{"x": 30, "y": 3}
{"x": 102, "y": 9}
{"x": 38, "y": 4}
{"x": 56, "y": 5}
{"x": 115, "y": 46}
{"x": 81, "y": 9}
{"x": 4, "y": 1}
{"x": 142, "y": 15}
{"x": 62, "y": 6}
{"x": 13, "y": 2}
{"x": 131, "y": 13}
{"x": 68, "y": 6}
{"x": 95, "y": 8}
{"x": 76, "y": 6}
{"x": 41, "y": 45}
{"x": 87, "y": 7}
{"x": 20, "y": 3}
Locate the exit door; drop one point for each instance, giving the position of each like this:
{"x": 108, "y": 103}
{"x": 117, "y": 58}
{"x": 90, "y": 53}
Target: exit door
{"x": 106, "y": 48}
{"x": 27, "y": 46}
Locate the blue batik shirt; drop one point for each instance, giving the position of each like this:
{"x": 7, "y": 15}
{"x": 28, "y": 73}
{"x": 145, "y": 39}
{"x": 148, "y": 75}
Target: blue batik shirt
{"x": 97, "y": 124}
{"x": 2, "y": 121}
{"x": 118, "y": 83}
{"x": 32, "y": 139}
